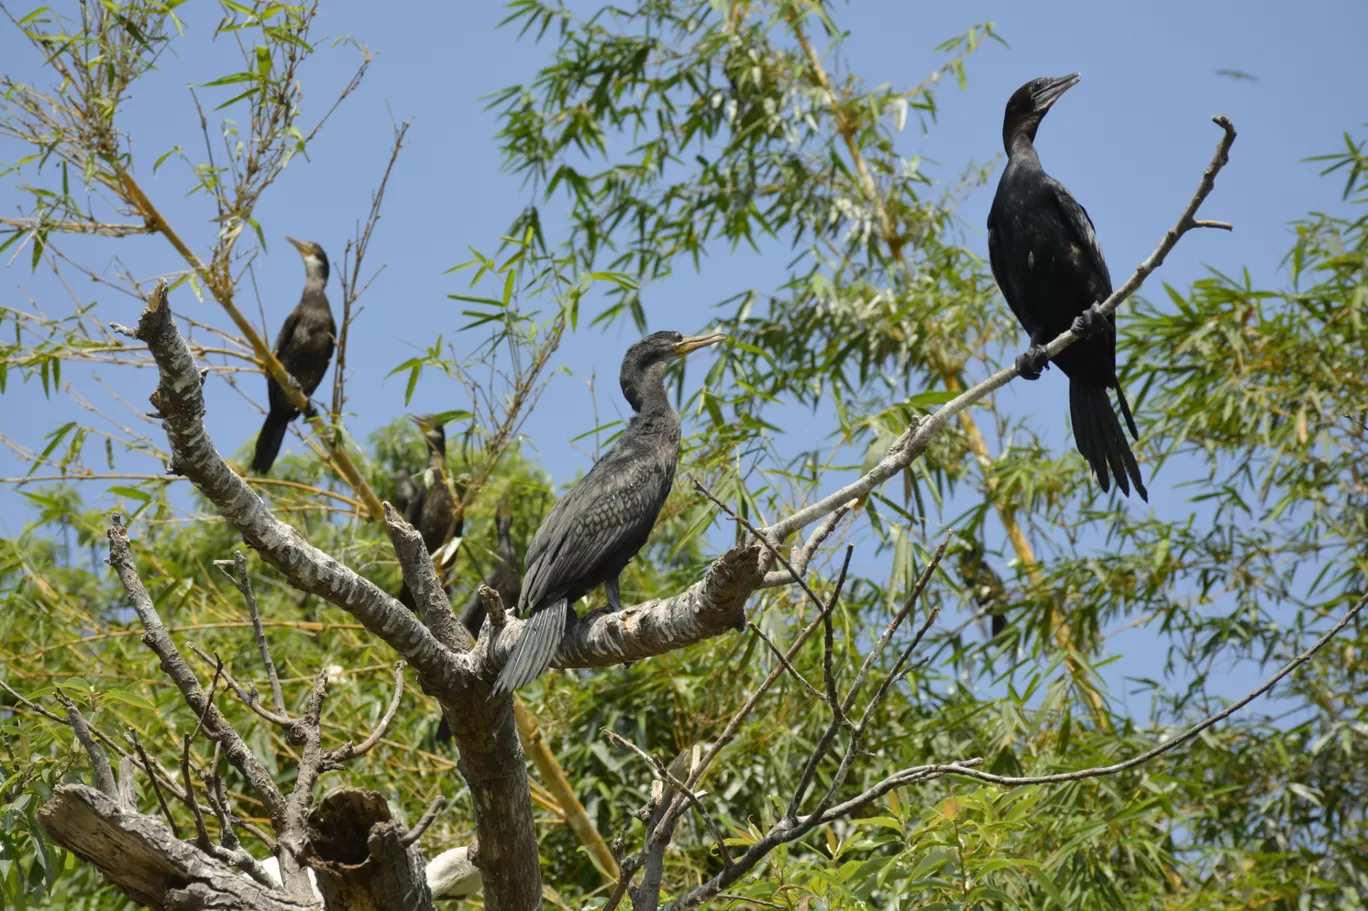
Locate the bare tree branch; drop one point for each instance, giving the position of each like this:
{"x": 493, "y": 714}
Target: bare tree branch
{"x": 783, "y": 659}
{"x": 788, "y": 830}
{"x": 339, "y": 755}
{"x": 142, "y": 856}
{"x": 421, "y": 578}
{"x": 173, "y": 665}
{"x": 99, "y": 759}
{"x": 249, "y": 697}
{"x": 180, "y": 402}
{"x": 156, "y": 785}
{"x": 427, "y": 819}
{"x": 243, "y": 583}
{"x": 491, "y": 756}
{"x": 799, "y": 557}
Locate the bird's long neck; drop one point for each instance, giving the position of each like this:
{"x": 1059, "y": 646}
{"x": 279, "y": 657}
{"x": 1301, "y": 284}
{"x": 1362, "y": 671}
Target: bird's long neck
{"x": 436, "y": 443}
{"x": 646, "y": 394}
{"x": 315, "y": 277}
{"x": 1021, "y": 147}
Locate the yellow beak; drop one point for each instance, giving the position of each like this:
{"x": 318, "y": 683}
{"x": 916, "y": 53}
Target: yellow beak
{"x": 693, "y": 343}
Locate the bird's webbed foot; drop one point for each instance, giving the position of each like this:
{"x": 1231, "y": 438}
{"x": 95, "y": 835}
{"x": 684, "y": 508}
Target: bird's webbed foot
{"x": 1090, "y": 323}
{"x": 610, "y": 588}
{"x": 1030, "y": 363}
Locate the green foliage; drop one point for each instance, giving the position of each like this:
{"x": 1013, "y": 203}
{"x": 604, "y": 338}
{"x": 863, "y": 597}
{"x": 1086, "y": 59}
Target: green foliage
{"x": 669, "y": 130}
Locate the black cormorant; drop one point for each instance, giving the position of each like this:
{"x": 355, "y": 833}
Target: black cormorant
{"x": 1049, "y": 265}
{"x": 432, "y": 509}
{"x": 592, "y": 533}
{"x": 304, "y": 348}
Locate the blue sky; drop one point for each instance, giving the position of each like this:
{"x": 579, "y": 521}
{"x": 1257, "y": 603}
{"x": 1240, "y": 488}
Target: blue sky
{"x": 1130, "y": 142}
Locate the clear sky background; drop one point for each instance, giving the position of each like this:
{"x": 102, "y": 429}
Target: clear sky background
{"x": 1130, "y": 142}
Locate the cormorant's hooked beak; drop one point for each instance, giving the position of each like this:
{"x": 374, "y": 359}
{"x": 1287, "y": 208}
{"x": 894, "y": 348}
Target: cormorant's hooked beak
{"x": 305, "y": 249}
{"x": 1050, "y": 93}
{"x": 693, "y": 343}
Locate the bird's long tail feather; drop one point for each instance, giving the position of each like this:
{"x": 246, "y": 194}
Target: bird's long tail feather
{"x": 533, "y": 652}
{"x": 1100, "y": 439}
{"x": 269, "y": 440}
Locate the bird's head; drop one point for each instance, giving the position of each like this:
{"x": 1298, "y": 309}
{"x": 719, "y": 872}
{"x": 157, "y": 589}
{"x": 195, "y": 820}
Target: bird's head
{"x": 1029, "y": 104}
{"x": 433, "y": 429}
{"x": 315, "y": 260}
{"x": 648, "y": 358}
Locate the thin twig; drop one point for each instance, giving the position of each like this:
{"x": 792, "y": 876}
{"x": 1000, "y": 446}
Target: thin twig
{"x": 243, "y": 583}
{"x": 838, "y": 711}
{"x": 760, "y": 536}
{"x": 201, "y": 832}
{"x": 429, "y": 816}
{"x": 215, "y": 791}
{"x": 790, "y": 830}
{"x": 248, "y": 696}
{"x": 801, "y": 557}
{"x": 774, "y": 650}
{"x": 666, "y": 775}
{"x": 156, "y": 784}
{"x": 99, "y": 759}
{"x": 334, "y": 758}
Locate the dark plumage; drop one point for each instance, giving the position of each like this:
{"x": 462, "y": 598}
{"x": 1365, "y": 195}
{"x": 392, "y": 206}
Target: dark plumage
{"x": 404, "y": 489}
{"x": 304, "y": 347}
{"x": 592, "y": 533}
{"x": 433, "y": 508}
{"x": 1049, "y": 265}
{"x": 503, "y": 577}
{"x": 984, "y": 585}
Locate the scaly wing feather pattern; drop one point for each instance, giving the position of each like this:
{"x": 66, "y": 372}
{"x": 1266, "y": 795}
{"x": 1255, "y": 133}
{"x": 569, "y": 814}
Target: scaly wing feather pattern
{"x": 1076, "y": 218}
{"x": 611, "y": 511}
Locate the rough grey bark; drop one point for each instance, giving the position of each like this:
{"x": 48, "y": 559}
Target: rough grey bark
{"x": 360, "y": 860}
{"x": 491, "y": 755}
{"x": 179, "y": 401}
{"x": 706, "y": 609}
{"x": 142, "y": 856}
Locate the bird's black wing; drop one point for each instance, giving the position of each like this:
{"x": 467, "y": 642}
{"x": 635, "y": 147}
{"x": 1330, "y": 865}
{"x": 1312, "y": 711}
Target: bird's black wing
{"x": 612, "y": 509}
{"x": 1080, "y": 226}
{"x": 413, "y": 515}
{"x": 1005, "y": 277}
{"x": 286, "y": 334}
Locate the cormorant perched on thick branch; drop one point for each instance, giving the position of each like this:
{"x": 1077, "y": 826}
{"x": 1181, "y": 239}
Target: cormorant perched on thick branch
{"x": 432, "y": 508}
{"x": 592, "y": 533}
{"x": 304, "y": 348}
{"x": 1049, "y": 265}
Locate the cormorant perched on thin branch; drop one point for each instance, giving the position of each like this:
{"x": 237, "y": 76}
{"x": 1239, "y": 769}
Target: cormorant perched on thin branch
{"x": 304, "y": 348}
{"x": 1049, "y": 265}
{"x": 592, "y": 533}
{"x": 432, "y": 508}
